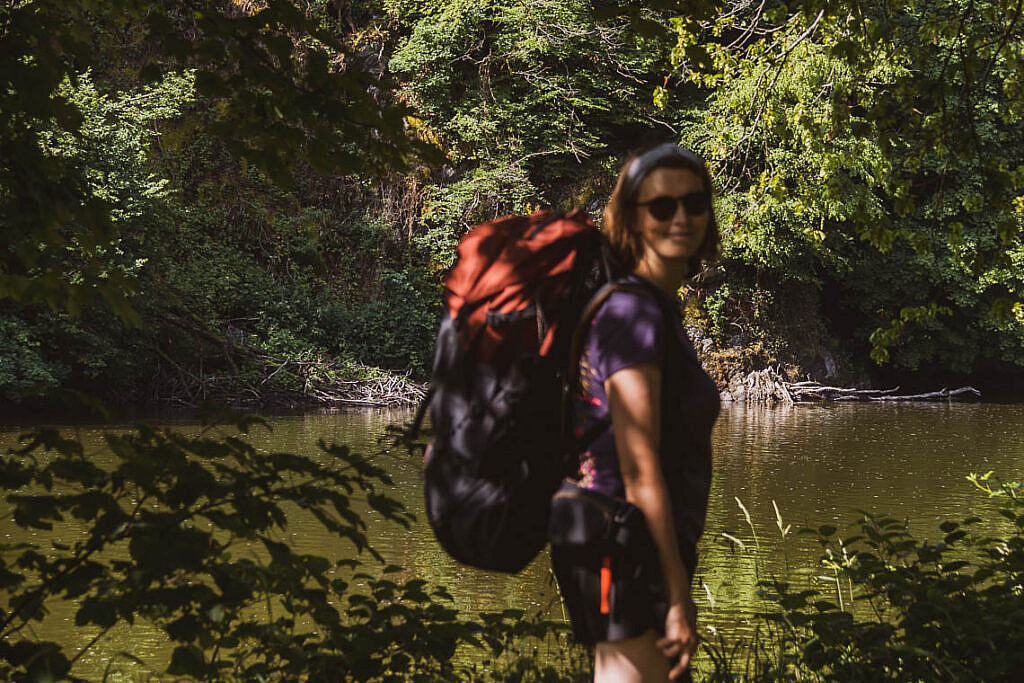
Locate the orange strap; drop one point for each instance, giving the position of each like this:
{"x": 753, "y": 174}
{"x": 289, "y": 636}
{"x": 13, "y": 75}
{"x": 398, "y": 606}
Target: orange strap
{"x": 606, "y": 583}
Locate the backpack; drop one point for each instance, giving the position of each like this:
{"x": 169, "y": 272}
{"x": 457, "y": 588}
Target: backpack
{"x": 498, "y": 397}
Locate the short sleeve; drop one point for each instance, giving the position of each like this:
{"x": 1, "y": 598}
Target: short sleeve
{"x": 627, "y": 331}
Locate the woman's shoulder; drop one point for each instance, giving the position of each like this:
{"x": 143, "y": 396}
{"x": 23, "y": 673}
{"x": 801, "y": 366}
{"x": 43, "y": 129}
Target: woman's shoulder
{"x": 628, "y": 330}
{"x": 632, "y": 302}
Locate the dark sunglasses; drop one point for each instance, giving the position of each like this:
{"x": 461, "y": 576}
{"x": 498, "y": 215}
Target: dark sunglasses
{"x": 664, "y": 207}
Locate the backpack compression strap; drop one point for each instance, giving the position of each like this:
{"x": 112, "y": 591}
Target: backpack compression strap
{"x": 421, "y": 411}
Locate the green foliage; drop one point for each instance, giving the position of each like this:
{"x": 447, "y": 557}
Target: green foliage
{"x": 882, "y": 339}
{"x": 23, "y": 369}
{"x": 186, "y": 532}
{"x": 951, "y": 610}
{"x": 278, "y": 83}
{"x": 482, "y": 194}
{"x": 832, "y": 128}
{"x": 186, "y": 161}
{"x": 223, "y": 270}
{"x": 527, "y": 98}
{"x": 394, "y": 330}
{"x": 52, "y": 350}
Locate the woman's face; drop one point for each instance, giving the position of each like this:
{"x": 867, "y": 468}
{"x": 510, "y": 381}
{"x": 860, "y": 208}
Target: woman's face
{"x": 677, "y": 237}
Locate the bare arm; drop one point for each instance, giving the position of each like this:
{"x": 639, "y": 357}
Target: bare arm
{"x": 634, "y": 400}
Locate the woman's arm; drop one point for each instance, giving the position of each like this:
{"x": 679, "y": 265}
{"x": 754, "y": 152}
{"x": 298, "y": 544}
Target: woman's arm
{"x": 634, "y": 401}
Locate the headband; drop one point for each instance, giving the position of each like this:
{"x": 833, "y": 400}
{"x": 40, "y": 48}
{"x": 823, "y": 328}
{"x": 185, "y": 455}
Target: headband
{"x": 651, "y": 159}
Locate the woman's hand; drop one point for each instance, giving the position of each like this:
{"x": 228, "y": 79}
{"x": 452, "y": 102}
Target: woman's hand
{"x": 680, "y": 635}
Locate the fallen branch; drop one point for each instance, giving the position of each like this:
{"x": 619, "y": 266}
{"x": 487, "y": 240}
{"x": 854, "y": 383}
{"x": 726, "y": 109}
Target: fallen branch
{"x": 941, "y": 395}
{"x": 767, "y": 386}
{"x": 807, "y": 391}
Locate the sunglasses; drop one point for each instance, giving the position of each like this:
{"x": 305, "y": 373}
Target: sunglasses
{"x": 664, "y": 207}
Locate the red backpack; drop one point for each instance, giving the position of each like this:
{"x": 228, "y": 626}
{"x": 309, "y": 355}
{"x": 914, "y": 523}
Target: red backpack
{"x": 498, "y": 394}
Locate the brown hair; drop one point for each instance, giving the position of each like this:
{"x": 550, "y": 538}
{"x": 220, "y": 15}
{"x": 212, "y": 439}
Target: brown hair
{"x": 620, "y": 214}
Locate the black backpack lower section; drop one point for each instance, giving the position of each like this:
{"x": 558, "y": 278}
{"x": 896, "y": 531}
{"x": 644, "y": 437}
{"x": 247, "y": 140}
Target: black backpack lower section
{"x": 497, "y": 523}
{"x": 492, "y": 513}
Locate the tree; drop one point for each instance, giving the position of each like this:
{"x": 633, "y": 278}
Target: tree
{"x": 532, "y": 100}
{"x": 871, "y": 153}
{"x": 280, "y": 83}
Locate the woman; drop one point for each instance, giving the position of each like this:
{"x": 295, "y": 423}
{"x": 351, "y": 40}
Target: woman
{"x": 641, "y": 378}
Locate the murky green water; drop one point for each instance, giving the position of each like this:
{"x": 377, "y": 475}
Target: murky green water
{"x": 818, "y": 463}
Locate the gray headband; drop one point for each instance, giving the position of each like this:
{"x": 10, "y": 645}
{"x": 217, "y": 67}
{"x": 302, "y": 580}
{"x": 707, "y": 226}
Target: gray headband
{"x": 652, "y": 158}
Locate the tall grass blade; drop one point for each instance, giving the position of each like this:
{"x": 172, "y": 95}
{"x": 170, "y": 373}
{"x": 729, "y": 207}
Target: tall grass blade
{"x": 750, "y": 524}
{"x": 784, "y": 530}
{"x": 707, "y": 590}
{"x": 741, "y": 544}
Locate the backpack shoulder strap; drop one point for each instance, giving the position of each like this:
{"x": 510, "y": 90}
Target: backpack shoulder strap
{"x": 579, "y": 334}
{"x": 413, "y": 431}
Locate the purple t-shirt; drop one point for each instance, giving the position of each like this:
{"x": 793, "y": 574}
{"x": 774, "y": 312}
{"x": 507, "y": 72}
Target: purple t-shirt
{"x": 628, "y": 330}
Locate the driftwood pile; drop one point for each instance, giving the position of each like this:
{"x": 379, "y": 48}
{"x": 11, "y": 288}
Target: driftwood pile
{"x": 768, "y": 386}
{"x": 391, "y": 391}
{"x": 760, "y": 386}
{"x": 292, "y": 383}
{"x": 329, "y": 383}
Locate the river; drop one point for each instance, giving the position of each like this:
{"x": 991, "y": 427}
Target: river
{"x": 817, "y": 463}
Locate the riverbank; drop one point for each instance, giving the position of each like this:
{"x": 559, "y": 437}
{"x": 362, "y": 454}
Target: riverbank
{"x": 302, "y": 385}
{"x": 794, "y": 373}
{"x": 768, "y": 386}
{"x": 316, "y": 380}
{"x": 272, "y": 386}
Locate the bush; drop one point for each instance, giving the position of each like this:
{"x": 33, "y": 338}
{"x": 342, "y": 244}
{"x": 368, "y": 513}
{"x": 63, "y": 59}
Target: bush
{"x": 916, "y": 611}
{"x": 393, "y": 330}
{"x": 184, "y": 532}
{"x": 24, "y": 370}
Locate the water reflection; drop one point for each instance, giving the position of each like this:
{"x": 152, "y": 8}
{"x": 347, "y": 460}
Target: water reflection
{"x": 819, "y": 463}
{"x": 822, "y": 463}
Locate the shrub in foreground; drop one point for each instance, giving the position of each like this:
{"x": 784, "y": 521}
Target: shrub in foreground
{"x": 902, "y": 609}
{"x": 185, "y": 532}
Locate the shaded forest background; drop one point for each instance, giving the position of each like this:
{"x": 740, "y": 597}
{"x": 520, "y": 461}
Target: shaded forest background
{"x": 249, "y": 200}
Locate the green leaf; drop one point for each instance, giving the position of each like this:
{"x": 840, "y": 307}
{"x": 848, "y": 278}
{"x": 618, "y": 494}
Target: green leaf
{"x": 954, "y": 537}
{"x": 184, "y": 629}
{"x": 96, "y": 610}
{"x": 34, "y": 512}
{"x": 9, "y": 579}
{"x": 47, "y": 663}
{"x": 187, "y": 660}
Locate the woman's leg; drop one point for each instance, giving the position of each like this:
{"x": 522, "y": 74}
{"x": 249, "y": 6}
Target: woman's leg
{"x": 637, "y": 660}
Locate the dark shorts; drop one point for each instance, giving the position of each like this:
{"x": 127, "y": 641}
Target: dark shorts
{"x": 636, "y": 600}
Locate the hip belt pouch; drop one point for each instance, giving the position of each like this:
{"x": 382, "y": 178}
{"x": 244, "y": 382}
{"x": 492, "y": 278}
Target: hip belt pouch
{"x": 581, "y": 517}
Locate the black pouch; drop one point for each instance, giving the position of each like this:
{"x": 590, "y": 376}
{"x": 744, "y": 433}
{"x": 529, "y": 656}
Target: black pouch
{"x": 581, "y": 517}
